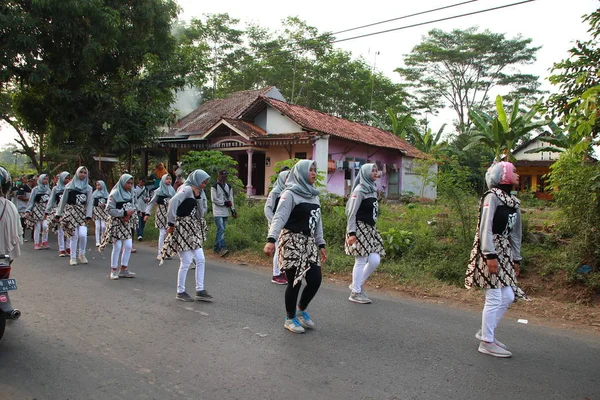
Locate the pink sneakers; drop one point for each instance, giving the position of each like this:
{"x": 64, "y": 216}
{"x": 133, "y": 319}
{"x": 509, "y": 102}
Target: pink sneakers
{"x": 280, "y": 279}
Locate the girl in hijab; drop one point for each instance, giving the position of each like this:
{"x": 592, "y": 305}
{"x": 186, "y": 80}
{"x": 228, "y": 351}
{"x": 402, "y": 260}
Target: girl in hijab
{"x": 279, "y": 277}
{"x": 121, "y": 209}
{"x": 99, "y": 214}
{"x": 160, "y": 199}
{"x": 298, "y": 230}
{"x": 187, "y": 233}
{"x": 363, "y": 239}
{"x": 496, "y": 255}
{"x": 74, "y": 211}
{"x": 55, "y": 196}
{"x": 36, "y": 218}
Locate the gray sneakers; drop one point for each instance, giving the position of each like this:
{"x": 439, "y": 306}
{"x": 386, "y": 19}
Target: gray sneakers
{"x": 493, "y": 350}
{"x": 359, "y": 298}
{"x": 82, "y": 259}
{"x": 499, "y": 343}
{"x": 304, "y": 319}
{"x": 202, "y": 295}
{"x": 125, "y": 273}
{"x": 184, "y": 297}
{"x": 293, "y": 325}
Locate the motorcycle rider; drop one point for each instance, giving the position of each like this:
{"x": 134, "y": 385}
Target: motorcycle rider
{"x": 11, "y": 231}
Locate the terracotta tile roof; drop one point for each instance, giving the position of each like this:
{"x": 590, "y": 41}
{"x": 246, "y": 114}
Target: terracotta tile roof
{"x": 313, "y": 120}
{"x": 209, "y": 113}
{"x": 533, "y": 163}
{"x": 248, "y": 128}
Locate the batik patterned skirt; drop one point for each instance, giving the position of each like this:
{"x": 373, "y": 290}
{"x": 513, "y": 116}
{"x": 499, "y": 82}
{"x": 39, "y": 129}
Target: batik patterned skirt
{"x": 36, "y": 215}
{"x": 368, "y": 240}
{"x": 100, "y": 213}
{"x": 73, "y": 217}
{"x": 118, "y": 229}
{"x": 297, "y": 250}
{"x": 160, "y": 218}
{"x": 478, "y": 274}
{"x": 189, "y": 234}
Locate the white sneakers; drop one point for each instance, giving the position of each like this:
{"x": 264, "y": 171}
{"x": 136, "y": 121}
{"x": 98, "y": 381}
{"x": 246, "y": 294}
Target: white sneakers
{"x": 493, "y": 350}
{"x": 499, "y": 343}
{"x": 82, "y": 259}
{"x": 73, "y": 261}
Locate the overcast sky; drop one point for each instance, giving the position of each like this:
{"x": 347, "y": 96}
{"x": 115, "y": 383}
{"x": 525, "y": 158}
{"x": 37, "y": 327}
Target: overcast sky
{"x": 552, "y": 24}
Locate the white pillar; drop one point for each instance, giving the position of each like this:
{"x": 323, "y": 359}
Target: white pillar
{"x": 320, "y": 155}
{"x": 249, "y": 185}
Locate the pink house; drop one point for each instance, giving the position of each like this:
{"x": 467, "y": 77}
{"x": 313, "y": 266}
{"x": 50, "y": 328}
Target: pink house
{"x": 258, "y": 128}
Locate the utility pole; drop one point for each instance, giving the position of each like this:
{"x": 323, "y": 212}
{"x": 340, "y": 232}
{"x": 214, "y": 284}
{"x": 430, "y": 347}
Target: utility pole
{"x": 373, "y": 80}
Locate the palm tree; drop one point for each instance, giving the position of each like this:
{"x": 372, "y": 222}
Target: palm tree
{"x": 500, "y": 133}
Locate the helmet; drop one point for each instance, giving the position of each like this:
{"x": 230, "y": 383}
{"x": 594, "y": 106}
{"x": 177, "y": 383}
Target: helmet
{"x": 5, "y": 180}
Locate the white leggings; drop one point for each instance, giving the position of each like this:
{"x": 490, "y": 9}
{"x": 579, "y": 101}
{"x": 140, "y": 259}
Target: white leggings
{"x": 497, "y": 302}
{"x": 100, "y": 229}
{"x": 126, "y": 245}
{"x": 41, "y": 227}
{"x": 62, "y": 241}
{"x": 161, "y": 239}
{"x": 276, "y": 270}
{"x": 363, "y": 268}
{"x": 186, "y": 258}
{"x": 80, "y": 234}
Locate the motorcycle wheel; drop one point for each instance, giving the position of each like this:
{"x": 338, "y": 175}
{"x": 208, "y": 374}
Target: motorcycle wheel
{"x": 2, "y": 324}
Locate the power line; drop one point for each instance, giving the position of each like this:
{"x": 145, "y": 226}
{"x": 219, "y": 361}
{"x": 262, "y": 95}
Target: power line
{"x": 431, "y": 22}
{"x": 405, "y": 16}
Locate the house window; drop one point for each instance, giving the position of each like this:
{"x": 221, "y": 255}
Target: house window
{"x": 541, "y": 183}
{"x": 301, "y": 156}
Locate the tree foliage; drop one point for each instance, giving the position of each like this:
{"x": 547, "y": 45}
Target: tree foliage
{"x": 502, "y": 132}
{"x": 90, "y": 77}
{"x": 213, "y": 161}
{"x": 460, "y": 69}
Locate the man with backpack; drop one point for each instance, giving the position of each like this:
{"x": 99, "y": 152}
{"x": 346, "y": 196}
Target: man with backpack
{"x": 221, "y": 195}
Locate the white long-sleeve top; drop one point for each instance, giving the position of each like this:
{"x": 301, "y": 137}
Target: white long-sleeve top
{"x": 497, "y": 218}
{"x": 183, "y": 204}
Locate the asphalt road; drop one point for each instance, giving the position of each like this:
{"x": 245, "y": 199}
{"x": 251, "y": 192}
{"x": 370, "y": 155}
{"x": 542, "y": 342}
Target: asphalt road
{"x": 83, "y": 336}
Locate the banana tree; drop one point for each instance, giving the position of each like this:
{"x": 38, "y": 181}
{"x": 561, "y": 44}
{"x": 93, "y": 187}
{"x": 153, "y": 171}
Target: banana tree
{"x": 501, "y": 133}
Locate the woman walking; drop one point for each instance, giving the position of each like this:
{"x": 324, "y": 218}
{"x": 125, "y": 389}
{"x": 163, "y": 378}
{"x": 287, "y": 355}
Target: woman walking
{"x": 363, "y": 239}
{"x": 298, "y": 229}
{"x": 496, "y": 254}
{"x": 74, "y": 211}
{"x": 160, "y": 199}
{"x": 187, "y": 232}
{"x": 55, "y": 196}
{"x": 279, "y": 277}
{"x": 121, "y": 209}
{"x": 35, "y": 213}
{"x": 99, "y": 214}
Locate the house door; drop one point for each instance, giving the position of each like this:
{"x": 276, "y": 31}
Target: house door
{"x": 393, "y": 184}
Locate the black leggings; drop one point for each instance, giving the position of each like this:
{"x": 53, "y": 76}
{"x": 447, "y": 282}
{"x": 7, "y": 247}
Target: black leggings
{"x": 313, "y": 282}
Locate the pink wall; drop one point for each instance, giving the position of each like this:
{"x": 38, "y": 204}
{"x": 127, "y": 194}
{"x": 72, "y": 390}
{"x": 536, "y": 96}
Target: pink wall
{"x": 340, "y": 150}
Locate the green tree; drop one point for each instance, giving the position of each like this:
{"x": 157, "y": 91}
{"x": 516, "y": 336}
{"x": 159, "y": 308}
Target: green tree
{"x": 461, "y": 67}
{"x": 95, "y": 76}
{"x": 213, "y": 161}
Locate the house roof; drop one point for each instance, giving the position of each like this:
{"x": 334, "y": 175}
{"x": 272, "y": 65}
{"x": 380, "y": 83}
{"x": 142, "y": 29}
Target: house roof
{"x": 524, "y": 145}
{"x": 313, "y": 120}
{"x": 209, "y": 113}
{"x": 248, "y": 128}
{"x": 533, "y": 163}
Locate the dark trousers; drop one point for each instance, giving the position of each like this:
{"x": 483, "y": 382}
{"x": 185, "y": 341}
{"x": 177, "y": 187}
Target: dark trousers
{"x": 313, "y": 282}
{"x": 141, "y": 224}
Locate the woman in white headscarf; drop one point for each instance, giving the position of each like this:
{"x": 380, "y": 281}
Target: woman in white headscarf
{"x": 187, "y": 232}
{"x": 35, "y": 212}
{"x": 279, "y": 277}
{"x": 298, "y": 230}
{"x": 121, "y": 209}
{"x": 64, "y": 246}
{"x": 74, "y": 211}
{"x": 363, "y": 239}
{"x": 160, "y": 200}
{"x": 99, "y": 214}
{"x": 496, "y": 255}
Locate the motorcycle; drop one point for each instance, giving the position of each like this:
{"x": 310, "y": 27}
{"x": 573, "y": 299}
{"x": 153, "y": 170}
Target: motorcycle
{"x": 6, "y": 285}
